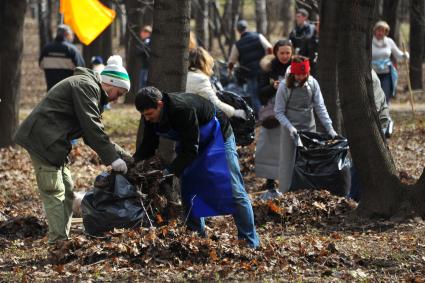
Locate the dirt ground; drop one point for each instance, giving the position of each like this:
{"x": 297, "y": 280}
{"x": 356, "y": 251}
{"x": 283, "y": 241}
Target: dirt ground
{"x": 305, "y": 236}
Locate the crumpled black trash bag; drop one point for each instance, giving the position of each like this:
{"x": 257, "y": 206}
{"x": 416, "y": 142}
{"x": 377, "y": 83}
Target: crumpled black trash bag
{"x": 243, "y": 129}
{"x": 322, "y": 163}
{"x": 117, "y": 205}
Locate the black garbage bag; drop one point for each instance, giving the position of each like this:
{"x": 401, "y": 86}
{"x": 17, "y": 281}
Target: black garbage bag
{"x": 220, "y": 72}
{"x": 243, "y": 129}
{"x": 322, "y": 163}
{"x": 115, "y": 205}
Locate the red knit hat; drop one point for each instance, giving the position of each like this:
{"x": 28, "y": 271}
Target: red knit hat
{"x": 300, "y": 68}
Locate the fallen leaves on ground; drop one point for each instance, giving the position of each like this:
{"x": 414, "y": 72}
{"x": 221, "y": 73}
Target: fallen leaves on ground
{"x": 305, "y": 235}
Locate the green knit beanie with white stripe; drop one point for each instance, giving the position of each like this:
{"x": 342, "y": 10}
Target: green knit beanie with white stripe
{"x": 115, "y": 74}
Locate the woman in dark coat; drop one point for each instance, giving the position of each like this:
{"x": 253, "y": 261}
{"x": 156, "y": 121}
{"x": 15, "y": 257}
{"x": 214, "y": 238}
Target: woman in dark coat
{"x": 268, "y": 143}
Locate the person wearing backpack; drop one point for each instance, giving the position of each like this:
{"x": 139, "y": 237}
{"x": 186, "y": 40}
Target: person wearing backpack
{"x": 296, "y": 98}
{"x": 268, "y": 143}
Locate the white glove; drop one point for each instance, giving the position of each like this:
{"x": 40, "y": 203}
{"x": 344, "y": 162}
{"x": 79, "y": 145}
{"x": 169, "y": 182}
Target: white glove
{"x": 332, "y": 133}
{"x": 240, "y": 113}
{"x": 119, "y": 166}
{"x": 166, "y": 172}
{"x": 293, "y": 132}
{"x": 406, "y": 55}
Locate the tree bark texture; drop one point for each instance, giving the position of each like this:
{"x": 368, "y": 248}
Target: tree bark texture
{"x": 312, "y": 6}
{"x": 227, "y": 22}
{"x": 169, "y": 52}
{"x": 12, "y": 13}
{"x": 261, "y": 16}
{"x": 202, "y": 28}
{"x": 389, "y": 14}
{"x": 273, "y": 10}
{"x": 170, "y": 39}
{"x": 417, "y": 33}
{"x": 44, "y": 22}
{"x": 327, "y": 61}
{"x": 138, "y": 13}
{"x": 212, "y": 25}
{"x": 219, "y": 28}
{"x": 234, "y": 19}
{"x": 382, "y": 189}
{"x": 288, "y": 12}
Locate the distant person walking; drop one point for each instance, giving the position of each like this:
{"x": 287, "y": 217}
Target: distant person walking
{"x": 144, "y": 51}
{"x": 305, "y": 38}
{"x": 59, "y": 58}
{"x": 248, "y": 51}
{"x": 383, "y": 48}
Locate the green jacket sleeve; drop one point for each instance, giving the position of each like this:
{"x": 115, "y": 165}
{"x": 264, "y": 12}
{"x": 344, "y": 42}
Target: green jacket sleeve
{"x": 86, "y": 99}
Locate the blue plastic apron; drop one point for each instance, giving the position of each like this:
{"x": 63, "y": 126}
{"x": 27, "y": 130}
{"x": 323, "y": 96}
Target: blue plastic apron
{"x": 206, "y": 182}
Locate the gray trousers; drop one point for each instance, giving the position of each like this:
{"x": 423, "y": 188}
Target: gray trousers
{"x": 286, "y": 160}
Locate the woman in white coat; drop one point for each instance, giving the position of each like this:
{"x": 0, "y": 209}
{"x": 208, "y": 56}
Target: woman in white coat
{"x": 198, "y": 81}
{"x": 296, "y": 98}
{"x": 383, "y": 48}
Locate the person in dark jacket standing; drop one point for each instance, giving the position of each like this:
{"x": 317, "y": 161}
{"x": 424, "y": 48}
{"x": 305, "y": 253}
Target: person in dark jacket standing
{"x": 144, "y": 51}
{"x": 207, "y": 161}
{"x": 248, "y": 51}
{"x": 268, "y": 143}
{"x": 59, "y": 58}
{"x": 71, "y": 109}
{"x": 304, "y": 37}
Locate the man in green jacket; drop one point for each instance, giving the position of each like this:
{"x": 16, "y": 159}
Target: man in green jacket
{"x": 71, "y": 109}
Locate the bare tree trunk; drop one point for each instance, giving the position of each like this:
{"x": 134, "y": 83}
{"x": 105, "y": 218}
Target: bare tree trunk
{"x": 212, "y": 25}
{"x": 169, "y": 53}
{"x": 102, "y": 45}
{"x": 389, "y": 14}
{"x": 327, "y": 64}
{"x": 139, "y": 13}
{"x": 219, "y": 28}
{"x": 202, "y": 28}
{"x": 12, "y": 13}
{"x": 44, "y": 22}
{"x": 242, "y": 9}
{"x": 234, "y": 19}
{"x": 261, "y": 16}
{"x": 122, "y": 24}
{"x": 417, "y": 31}
{"x": 227, "y": 18}
{"x": 382, "y": 189}
{"x": 288, "y": 12}
{"x": 273, "y": 8}
{"x": 170, "y": 39}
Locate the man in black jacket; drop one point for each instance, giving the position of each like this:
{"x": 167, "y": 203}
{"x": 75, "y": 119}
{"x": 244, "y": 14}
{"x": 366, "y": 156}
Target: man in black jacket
{"x": 204, "y": 138}
{"x": 59, "y": 58}
{"x": 248, "y": 51}
{"x": 305, "y": 38}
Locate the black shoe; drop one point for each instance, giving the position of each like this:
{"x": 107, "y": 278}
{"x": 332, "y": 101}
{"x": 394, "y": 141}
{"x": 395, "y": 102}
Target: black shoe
{"x": 270, "y": 184}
